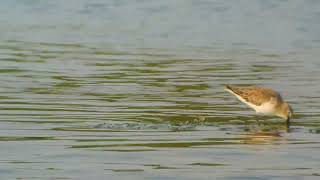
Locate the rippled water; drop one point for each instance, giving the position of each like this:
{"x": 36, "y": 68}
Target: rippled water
{"x": 134, "y": 89}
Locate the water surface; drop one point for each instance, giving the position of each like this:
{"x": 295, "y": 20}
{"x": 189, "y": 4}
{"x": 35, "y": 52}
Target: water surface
{"x": 134, "y": 89}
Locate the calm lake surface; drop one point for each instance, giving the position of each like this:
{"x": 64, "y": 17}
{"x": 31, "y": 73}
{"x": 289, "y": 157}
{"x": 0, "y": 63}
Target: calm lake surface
{"x": 134, "y": 89}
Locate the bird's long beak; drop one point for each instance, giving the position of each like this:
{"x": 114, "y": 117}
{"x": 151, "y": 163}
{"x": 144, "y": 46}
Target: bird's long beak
{"x": 288, "y": 122}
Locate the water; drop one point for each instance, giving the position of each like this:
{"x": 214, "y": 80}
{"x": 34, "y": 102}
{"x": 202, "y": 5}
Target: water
{"x": 134, "y": 89}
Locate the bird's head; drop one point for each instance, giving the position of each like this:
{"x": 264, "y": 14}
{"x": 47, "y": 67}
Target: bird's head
{"x": 286, "y": 111}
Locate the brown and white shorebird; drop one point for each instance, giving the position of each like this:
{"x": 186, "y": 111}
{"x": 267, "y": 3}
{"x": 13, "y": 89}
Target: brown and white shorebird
{"x": 262, "y": 100}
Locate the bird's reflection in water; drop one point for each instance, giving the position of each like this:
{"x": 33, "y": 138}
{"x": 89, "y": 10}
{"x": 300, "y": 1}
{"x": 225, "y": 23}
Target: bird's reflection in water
{"x": 267, "y": 133}
{"x": 262, "y": 138}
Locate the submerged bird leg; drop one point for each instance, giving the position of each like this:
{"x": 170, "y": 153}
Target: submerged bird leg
{"x": 257, "y": 119}
{"x": 259, "y": 122}
{"x": 288, "y": 124}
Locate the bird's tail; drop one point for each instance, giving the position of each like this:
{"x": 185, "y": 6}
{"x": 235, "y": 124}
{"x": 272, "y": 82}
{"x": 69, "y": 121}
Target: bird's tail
{"x": 231, "y": 89}
{"x": 228, "y": 88}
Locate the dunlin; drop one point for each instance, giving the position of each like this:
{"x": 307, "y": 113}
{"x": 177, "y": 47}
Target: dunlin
{"x": 262, "y": 100}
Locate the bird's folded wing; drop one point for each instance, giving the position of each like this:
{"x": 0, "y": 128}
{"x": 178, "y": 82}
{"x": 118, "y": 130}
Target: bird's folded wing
{"x": 255, "y": 95}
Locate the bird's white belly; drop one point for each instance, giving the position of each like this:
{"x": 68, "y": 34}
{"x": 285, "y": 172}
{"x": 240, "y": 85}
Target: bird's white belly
{"x": 265, "y": 108}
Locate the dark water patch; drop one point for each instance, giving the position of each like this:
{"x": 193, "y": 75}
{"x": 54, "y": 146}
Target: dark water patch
{"x": 206, "y": 164}
{"x": 164, "y": 167}
{"x": 263, "y": 68}
{"x": 31, "y": 138}
{"x": 126, "y": 170}
{"x": 315, "y": 174}
{"x": 11, "y": 71}
{"x": 24, "y": 162}
{"x": 130, "y": 150}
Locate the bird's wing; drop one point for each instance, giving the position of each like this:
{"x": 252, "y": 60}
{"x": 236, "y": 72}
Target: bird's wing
{"x": 254, "y": 95}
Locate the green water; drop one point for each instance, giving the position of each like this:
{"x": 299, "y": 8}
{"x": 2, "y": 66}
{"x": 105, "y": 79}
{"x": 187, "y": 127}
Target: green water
{"x": 134, "y": 90}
